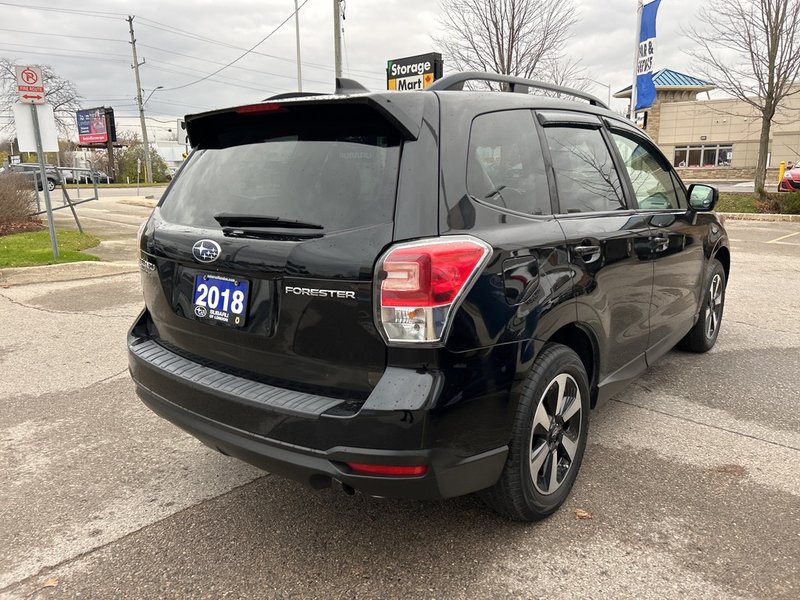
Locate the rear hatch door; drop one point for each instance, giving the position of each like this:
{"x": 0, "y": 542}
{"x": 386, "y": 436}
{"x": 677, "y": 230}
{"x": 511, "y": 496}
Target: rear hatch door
{"x": 261, "y": 252}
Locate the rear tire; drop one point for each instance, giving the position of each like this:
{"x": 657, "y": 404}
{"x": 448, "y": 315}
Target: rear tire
{"x": 51, "y": 185}
{"x": 704, "y": 334}
{"x": 548, "y": 438}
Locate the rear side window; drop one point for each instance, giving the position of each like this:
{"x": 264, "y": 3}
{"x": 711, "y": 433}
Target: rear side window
{"x": 339, "y": 173}
{"x": 586, "y": 178}
{"x": 505, "y": 166}
{"x": 652, "y": 184}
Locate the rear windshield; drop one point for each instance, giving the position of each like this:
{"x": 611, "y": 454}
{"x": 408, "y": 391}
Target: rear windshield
{"x": 337, "y": 174}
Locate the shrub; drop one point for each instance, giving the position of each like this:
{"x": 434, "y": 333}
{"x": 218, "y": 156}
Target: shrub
{"x": 16, "y": 199}
{"x": 736, "y": 203}
{"x": 791, "y": 203}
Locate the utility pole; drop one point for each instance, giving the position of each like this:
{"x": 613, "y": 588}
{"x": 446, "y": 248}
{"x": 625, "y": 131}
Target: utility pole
{"x": 337, "y": 36}
{"x": 297, "y": 35}
{"x": 148, "y": 167}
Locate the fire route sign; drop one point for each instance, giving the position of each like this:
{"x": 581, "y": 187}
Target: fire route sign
{"x": 30, "y": 85}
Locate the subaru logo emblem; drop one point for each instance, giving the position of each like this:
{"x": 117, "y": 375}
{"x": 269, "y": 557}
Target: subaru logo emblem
{"x": 206, "y": 251}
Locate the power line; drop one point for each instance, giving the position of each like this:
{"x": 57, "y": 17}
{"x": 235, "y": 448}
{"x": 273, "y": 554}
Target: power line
{"x": 201, "y": 38}
{"x": 62, "y": 55}
{"x": 174, "y": 53}
{"x": 65, "y": 49}
{"x": 60, "y": 51}
{"x": 144, "y": 21}
{"x": 214, "y": 80}
{"x": 64, "y": 35}
{"x": 241, "y": 56}
{"x": 89, "y": 13}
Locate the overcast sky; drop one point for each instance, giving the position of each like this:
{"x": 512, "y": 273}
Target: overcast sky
{"x": 374, "y": 31}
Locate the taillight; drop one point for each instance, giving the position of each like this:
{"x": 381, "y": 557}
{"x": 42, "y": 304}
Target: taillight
{"x": 419, "y": 285}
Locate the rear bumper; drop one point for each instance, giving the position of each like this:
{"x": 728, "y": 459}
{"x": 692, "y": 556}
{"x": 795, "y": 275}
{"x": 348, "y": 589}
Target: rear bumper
{"x": 216, "y": 407}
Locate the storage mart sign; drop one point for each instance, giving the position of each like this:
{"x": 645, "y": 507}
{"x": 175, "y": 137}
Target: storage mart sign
{"x": 413, "y": 72}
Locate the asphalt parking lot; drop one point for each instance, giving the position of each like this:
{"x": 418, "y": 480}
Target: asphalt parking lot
{"x": 691, "y": 475}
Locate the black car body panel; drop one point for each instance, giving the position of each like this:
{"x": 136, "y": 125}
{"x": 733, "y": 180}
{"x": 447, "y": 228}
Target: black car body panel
{"x": 308, "y": 383}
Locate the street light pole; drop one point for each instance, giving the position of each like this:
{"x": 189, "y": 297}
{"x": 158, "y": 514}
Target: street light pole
{"x": 150, "y": 95}
{"x": 337, "y": 37}
{"x": 297, "y": 36}
{"x": 605, "y": 85}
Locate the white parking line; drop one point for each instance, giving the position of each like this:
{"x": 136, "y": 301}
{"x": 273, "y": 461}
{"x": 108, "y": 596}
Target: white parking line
{"x": 783, "y": 237}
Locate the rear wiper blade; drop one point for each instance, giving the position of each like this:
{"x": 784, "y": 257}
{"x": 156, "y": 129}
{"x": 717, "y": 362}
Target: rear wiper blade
{"x": 267, "y": 233}
{"x": 262, "y": 221}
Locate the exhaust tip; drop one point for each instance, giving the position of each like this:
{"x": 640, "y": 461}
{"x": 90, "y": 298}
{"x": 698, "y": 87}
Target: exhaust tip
{"x": 347, "y": 489}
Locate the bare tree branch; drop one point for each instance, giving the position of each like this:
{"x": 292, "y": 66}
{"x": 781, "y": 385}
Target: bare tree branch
{"x": 524, "y": 38}
{"x": 751, "y": 50}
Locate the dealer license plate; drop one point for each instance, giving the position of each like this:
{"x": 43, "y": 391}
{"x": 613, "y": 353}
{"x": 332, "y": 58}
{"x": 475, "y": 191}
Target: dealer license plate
{"x": 220, "y": 299}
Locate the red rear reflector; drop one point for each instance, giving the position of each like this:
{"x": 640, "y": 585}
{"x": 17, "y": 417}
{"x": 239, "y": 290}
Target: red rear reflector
{"x": 260, "y": 108}
{"x": 390, "y": 470}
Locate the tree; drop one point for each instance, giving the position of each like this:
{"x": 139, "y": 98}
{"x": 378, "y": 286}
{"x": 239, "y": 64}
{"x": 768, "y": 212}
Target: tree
{"x": 127, "y": 160}
{"x": 751, "y": 50}
{"x": 524, "y": 38}
{"x": 59, "y": 92}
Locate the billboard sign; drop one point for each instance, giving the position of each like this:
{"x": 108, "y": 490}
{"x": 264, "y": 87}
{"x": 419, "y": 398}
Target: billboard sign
{"x": 92, "y": 126}
{"x": 414, "y": 72}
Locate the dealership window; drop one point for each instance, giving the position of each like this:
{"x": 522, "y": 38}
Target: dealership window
{"x": 704, "y": 156}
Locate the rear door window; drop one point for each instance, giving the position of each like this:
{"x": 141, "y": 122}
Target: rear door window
{"x": 506, "y": 167}
{"x": 586, "y": 178}
{"x": 340, "y": 174}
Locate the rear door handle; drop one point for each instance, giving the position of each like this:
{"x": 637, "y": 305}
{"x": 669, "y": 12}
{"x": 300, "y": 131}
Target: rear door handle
{"x": 660, "y": 242}
{"x": 587, "y": 253}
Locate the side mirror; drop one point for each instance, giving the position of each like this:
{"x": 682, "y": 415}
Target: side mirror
{"x": 702, "y": 198}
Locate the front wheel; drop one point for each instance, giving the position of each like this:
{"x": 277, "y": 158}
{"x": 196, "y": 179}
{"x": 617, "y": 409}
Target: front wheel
{"x": 704, "y": 334}
{"x": 51, "y": 185}
{"x": 548, "y": 438}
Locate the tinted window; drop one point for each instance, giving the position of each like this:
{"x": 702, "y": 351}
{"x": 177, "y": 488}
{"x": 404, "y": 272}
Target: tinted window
{"x": 506, "y": 167}
{"x": 652, "y": 184}
{"x": 585, "y": 175}
{"x": 332, "y": 174}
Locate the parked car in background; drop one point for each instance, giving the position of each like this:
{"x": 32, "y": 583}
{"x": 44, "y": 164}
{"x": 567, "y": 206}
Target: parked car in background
{"x": 101, "y": 177}
{"x": 790, "y": 182}
{"x": 33, "y": 171}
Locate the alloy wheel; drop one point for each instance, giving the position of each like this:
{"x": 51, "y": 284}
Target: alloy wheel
{"x": 555, "y": 434}
{"x": 714, "y": 306}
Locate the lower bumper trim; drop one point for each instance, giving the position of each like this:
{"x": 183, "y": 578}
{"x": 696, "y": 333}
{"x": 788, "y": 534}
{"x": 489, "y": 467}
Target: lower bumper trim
{"x": 448, "y": 475}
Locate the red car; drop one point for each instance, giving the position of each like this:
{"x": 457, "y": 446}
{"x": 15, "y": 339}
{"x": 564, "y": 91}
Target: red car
{"x": 790, "y": 182}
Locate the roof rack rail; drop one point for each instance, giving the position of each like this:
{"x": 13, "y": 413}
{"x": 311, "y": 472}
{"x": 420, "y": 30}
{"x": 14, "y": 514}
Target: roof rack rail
{"x": 517, "y": 84}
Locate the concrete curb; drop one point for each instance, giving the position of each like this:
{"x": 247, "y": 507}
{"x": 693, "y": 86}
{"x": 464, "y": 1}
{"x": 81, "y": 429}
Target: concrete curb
{"x": 64, "y": 272}
{"x": 146, "y": 202}
{"x": 760, "y": 217}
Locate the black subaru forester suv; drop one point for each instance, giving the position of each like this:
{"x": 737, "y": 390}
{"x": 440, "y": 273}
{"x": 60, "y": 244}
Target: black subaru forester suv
{"x": 419, "y": 294}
